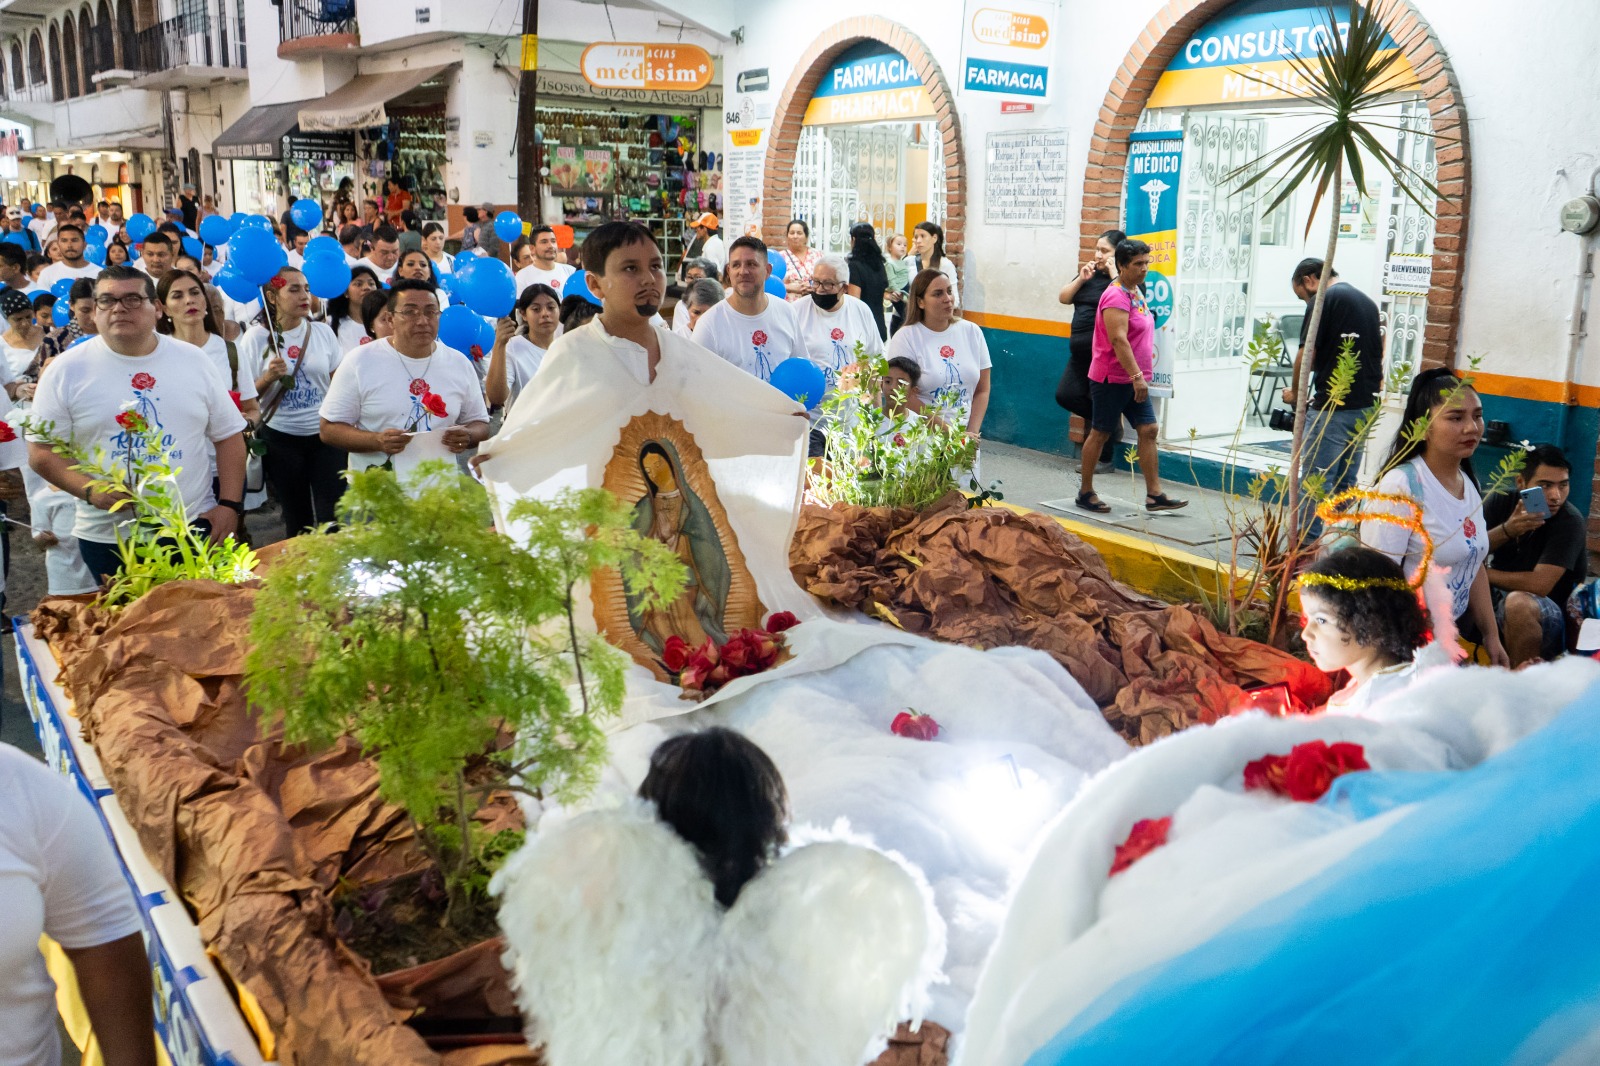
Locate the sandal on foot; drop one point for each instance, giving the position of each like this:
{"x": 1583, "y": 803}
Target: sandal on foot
{"x": 1090, "y": 501}
{"x": 1160, "y": 501}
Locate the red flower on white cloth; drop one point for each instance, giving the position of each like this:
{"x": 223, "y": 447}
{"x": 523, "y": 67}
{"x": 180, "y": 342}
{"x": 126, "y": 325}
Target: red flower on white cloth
{"x": 1306, "y": 773}
{"x": 7, "y": 434}
{"x": 1470, "y": 528}
{"x": 142, "y": 381}
{"x": 914, "y": 726}
{"x": 1147, "y": 835}
{"x": 419, "y": 387}
{"x": 758, "y": 338}
{"x": 837, "y": 334}
{"x": 947, "y": 352}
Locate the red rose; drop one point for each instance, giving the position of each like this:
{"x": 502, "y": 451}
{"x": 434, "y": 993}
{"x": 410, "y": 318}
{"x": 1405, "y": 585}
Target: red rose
{"x": 476, "y": 351}
{"x": 675, "y": 654}
{"x": 433, "y": 403}
{"x": 1147, "y": 835}
{"x": 899, "y": 441}
{"x": 946, "y": 352}
{"x": 234, "y": 396}
{"x": 278, "y": 282}
{"x": 837, "y": 334}
{"x": 697, "y": 672}
{"x": 7, "y": 434}
{"x": 132, "y": 421}
{"x": 418, "y": 387}
{"x": 142, "y": 381}
{"x": 780, "y": 621}
{"x": 1470, "y": 528}
{"x": 366, "y": 340}
{"x": 1308, "y": 771}
{"x": 758, "y": 338}
{"x": 294, "y": 352}
{"x": 1265, "y": 773}
{"x": 914, "y": 726}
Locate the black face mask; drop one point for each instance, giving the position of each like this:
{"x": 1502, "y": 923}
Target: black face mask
{"x": 826, "y": 300}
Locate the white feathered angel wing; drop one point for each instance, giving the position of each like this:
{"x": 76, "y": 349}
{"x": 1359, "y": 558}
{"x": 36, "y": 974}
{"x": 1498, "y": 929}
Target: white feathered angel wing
{"x": 610, "y": 928}
{"x": 822, "y": 956}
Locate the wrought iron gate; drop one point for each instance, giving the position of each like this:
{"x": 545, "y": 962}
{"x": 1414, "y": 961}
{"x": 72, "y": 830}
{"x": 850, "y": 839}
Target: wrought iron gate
{"x": 1410, "y": 231}
{"x": 849, "y": 174}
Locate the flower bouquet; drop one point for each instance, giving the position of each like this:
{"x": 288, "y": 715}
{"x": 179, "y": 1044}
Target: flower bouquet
{"x": 703, "y": 670}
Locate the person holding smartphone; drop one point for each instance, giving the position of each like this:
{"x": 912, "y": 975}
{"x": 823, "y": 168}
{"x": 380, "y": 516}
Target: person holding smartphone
{"x": 1537, "y": 555}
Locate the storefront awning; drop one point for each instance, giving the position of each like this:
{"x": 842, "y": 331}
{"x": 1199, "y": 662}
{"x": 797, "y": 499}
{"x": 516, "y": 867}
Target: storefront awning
{"x": 259, "y": 133}
{"x": 359, "y": 102}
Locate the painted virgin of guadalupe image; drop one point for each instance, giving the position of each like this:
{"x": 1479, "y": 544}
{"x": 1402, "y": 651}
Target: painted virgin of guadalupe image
{"x": 671, "y": 513}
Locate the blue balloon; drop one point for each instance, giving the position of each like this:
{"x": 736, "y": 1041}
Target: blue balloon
{"x": 236, "y": 220}
{"x": 133, "y": 253}
{"x": 447, "y": 282}
{"x": 507, "y": 226}
{"x": 95, "y": 253}
{"x": 255, "y": 255}
{"x": 307, "y": 214}
{"x": 261, "y": 222}
{"x": 138, "y": 227}
{"x": 485, "y": 337}
{"x": 236, "y": 285}
{"x": 96, "y": 234}
{"x": 578, "y": 284}
{"x": 458, "y": 328}
{"x": 775, "y": 287}
{"x": 61, "y": 313}
{"x": 215, "y": 230}
{"x": 780, "y": 268}
{"x": 62, "y": 288}
{"x": 490, "y": 288}
{"x": 324, "y": 246}
{"x": 328, "y": 277}
{"x": 800, "y": 379}
{"x": 192, "y": 246}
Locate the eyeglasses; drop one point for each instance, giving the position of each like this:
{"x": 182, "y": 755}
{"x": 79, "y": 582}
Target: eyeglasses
{"x": 413, "y": 311}
{"x": 826, "y": 286}
{"x": 131, "y": 302}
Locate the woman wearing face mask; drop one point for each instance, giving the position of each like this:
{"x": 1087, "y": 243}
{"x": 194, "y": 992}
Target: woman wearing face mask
{"x": 520, "y": 342}
{"x": 187, "y": 315}
{"x": 832, "y": 322}
{"x": 344, "y": 312}
{"x": 293, "y": 360}
{"x": 1083, "y": 292}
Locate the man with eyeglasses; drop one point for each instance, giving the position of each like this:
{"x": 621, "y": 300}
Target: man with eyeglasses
{"x": 390, "y": 393}
{"x": 176, "y": 392}
{"x": 751, "y": 328}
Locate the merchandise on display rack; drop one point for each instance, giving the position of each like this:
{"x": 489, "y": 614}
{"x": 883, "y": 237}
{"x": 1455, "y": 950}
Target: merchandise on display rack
{"x": 612, "y": 164}
{"x": 412, "y": 150}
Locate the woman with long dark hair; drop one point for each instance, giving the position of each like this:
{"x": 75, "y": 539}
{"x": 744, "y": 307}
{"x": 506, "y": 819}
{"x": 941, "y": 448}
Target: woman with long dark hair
{"x": 293, "y": 359}
{"x": 952, "y": 353}
{"x": 416, "y": 265}
{"x": 927, "y": 250}
{"x": 1431, "y": 462}
{"x": 1083, "y": 292}
{"x": 869, "y": 275}
{"x": 187, "y": 315}
{"x": 520, "y": 343}
{"x": 344, "y": 312}
{"x": 691, "y": 874}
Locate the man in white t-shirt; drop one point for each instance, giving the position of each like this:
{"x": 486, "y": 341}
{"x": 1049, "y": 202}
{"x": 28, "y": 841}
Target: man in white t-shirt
{"x": 129, "y": 369}
{"x": 385, "y": 254}
{"x": 391, "y": 391}
{"x": 43, "y": 224}
{"x": 156, "y": 253}
{"x": 707, "y": 242}
{"x": 832, "y": 322}
{"x": 69, "y": 240}
{"x": 544, "y": 270}
{"x": 751, "y": 328}
{"x": 59, "y": 878}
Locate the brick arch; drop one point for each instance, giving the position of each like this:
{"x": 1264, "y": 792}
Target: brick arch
{"x": 784, "y": 140}
{"x": 1159, "y": 43}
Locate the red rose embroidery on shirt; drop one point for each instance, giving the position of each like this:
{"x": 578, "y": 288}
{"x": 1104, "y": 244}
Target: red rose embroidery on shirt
{"x": 142, "y": 381}
{"x": 946, "y": 352}
{"x": 837, "y": 334}
{"x": 294, "y": 351}
{"x": 1470, "y": 528}
{"x": 758, "y": 338}
{"x": 366, "y": 340}
{"x": 418, "y": 386}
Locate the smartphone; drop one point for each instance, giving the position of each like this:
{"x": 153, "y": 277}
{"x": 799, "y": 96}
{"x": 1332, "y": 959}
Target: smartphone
{"x": 1533, "y": 502}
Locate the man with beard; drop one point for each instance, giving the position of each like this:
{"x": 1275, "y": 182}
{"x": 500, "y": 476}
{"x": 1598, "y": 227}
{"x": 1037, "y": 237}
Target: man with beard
{"x": 751, "y": 328}
{"x": 69, "y": 240}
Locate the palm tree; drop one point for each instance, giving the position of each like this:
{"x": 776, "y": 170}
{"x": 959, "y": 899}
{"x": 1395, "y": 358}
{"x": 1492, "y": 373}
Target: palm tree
{"x": 1348, "y": 81}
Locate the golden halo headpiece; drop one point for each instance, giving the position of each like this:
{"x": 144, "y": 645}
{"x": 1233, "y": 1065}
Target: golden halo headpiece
{"x": 1331, "y": 511}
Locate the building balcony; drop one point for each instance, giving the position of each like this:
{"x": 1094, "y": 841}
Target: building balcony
{"x": 187, "y": 52}
{"x": 316, "y": 27}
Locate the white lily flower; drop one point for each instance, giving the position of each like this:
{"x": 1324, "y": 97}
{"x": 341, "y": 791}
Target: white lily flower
{"x": 1526, "y": 446}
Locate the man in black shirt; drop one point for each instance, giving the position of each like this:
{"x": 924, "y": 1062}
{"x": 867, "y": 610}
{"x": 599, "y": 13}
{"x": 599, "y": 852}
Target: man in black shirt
{"x": 1332, "y": 449}
{"x": 1535, "y": 561}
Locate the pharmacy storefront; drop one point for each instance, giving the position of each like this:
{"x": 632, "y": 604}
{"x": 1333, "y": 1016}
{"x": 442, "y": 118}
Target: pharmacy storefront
{"x": 1222, "y": 262}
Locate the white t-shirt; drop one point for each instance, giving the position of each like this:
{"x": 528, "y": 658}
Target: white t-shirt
{"x": 1460, "y": 535}
{"x": 57, "y": 271}
{"x": 446, "y": 263}
{"x": 384, "y": 273}
{"x": 174, "y": 388}
{"x": 715, "y": 251}
{"x": 53, "y": 510}
{"x": 755, "y": 343}
{"x": 352, "y": 334}
{"x": 523, "y": 359}
{"x": 377, "y": 388}
{"x": 951, "y": 363}
{"x": 43, "y": 228}
{"x": 17, "y": 360}
{"x": 58, "y": 876}
{"x": 680, "y": 320}
{"x": 537, "y": 275}
{"x": 830, "y": 336}
{"x": 217, "y": 348}
{"x": 313, "y": 354}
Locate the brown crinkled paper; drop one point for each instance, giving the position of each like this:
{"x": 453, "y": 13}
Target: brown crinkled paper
{"x": 253, "y": 833}
{"x": 988, "y": 577}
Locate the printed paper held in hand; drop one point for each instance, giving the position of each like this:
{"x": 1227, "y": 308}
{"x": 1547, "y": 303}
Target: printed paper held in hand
{"x": 423, "y": 446}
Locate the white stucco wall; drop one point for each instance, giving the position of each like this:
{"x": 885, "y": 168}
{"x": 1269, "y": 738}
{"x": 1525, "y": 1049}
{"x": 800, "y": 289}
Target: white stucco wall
{"x": 1532, "y": 149}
